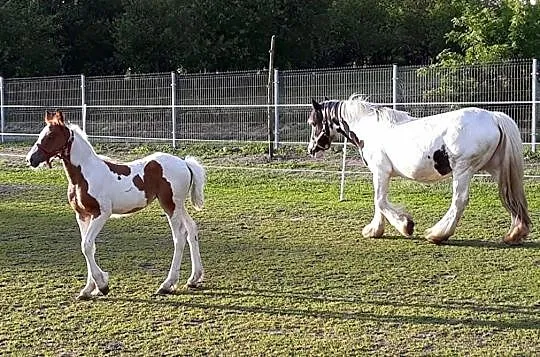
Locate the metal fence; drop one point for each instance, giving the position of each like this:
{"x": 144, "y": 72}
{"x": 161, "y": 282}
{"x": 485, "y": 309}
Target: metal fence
{"x": 233, "y": 106}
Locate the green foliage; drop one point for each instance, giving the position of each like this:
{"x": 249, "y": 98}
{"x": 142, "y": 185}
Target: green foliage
{"x": 499, "y": 31}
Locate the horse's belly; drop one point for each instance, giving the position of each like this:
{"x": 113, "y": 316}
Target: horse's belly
{"x": 422, "y": 173}
{"x": 128, "y": 202}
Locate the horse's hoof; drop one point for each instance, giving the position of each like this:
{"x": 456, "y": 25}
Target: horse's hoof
{"x": 512, "y": 240}
{"x": 192, "y": 285}
{"x": 436, "y": 239}
{"x": 368, "y": 232}
{"x": 84, "y": 297}
{"x": 104, "y": 290}
{"x": 164, "y": 291}
{"x": 409, "y": 228}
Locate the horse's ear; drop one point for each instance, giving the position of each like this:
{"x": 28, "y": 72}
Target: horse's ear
{"x": 59, "y": 116}
{"x": 315, "y": 104}
{"x": 47, "y": 117}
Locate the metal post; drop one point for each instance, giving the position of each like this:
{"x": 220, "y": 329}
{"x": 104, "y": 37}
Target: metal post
{"x": 276, "y": 109}
{"x": 173, "y": 108}
{"x": 534, "y": 75}
{"x": 342, "y": 185}
{"x": 394, "y": 86}
{"x": 269, "y": 98}
{"x": 83, "y": 103}
{"x": 2, "y": 118}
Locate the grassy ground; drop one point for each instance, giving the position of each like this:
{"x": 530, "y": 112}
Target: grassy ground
{"x": 287, "y": 271}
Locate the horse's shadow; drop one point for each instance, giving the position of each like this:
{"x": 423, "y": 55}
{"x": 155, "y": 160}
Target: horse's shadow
{"x": 465, "y": 242}
{"x": 528, "y": 316}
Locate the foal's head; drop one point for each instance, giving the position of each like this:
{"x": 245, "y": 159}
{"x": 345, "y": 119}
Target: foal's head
{"x": 323, "y": 131}
{"x": 54, "y": 140}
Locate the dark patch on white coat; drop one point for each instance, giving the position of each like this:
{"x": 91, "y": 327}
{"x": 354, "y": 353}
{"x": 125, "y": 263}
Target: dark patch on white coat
{"x": 442, "y": 163}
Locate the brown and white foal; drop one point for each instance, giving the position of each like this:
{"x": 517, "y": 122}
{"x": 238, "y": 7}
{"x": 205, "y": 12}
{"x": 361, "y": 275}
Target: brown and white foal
{"x": 99, "y": 188}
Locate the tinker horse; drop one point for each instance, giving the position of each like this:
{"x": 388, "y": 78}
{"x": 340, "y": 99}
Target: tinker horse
{"x": 457, "y": 143}
{"x": 99, "y": 188}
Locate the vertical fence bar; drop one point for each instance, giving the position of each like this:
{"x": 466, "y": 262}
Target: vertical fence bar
{"x": 83, "y": 102}
{"x": 343, "y": 162}
{"x": 394, "y": 86}
{"x": 2, "y": 118}
{"x": 534, "y": 75}
{"x": 276, "y": 109}
{"x": 268, "y": 97}
{"x": 173, "y": 108}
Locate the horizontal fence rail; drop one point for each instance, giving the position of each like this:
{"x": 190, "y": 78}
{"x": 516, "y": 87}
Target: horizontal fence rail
{"x": 232, "y": 106}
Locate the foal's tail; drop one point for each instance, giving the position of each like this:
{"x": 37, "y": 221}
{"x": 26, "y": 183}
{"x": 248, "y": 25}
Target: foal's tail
{"x": 198, "y": 177}
{"x": 510, "y": 155}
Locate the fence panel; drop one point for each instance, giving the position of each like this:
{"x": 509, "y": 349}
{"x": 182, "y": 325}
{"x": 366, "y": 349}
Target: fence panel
{"x": 232, "y": 106}
{"x": 504, "y": 87}
{"x": 299, "y": 87}
{"x": 131, "y": 106}
{"x": 27, "y": 99}
{"x": 206, "y": 106}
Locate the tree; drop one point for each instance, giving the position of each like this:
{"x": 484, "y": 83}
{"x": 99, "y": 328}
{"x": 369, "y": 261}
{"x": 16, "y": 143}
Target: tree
{"x": 490, "y": 31}
{"x": 29, "y": 43}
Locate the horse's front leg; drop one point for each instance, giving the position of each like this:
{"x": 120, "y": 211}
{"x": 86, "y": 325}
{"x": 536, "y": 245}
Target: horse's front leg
{"x": 460, "y": 197}
{"x": 97, "y": 280}
{"x": 83, "y": 222}
{"x": 401, "y": 220}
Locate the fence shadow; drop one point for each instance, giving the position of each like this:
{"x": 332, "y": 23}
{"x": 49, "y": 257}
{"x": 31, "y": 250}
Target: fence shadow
{"x": 528, "y": 316}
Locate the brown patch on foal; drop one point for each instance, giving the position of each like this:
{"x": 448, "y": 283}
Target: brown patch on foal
{"x": 79, "y": 198}
{"x": 118, "y": 169}
{"x": 155, "y": 185}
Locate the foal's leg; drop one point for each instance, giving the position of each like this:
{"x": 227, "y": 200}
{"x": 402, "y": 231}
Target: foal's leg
{"x": 383, "y": 209}
{"x": 197, "y": 271}
{"x": 83, "y": 222}
{"x": 460, "y": 197}
{"x": 98, "y": 280}
{"x": 179, "y": 238}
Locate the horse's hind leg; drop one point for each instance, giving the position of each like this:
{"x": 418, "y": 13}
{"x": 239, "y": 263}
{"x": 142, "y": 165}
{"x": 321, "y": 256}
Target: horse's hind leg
{"x": 179, "y": 239}
{"x": 197, "y": 271}
{"x": 517, "y": 206}
{"x": 460, "y": 197}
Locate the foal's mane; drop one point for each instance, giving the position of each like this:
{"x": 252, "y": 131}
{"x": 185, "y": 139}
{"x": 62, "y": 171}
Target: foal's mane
{"x": 77, "y": 131}
{"x": 357, "y": 106}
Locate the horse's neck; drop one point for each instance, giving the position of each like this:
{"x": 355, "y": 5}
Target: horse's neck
{"x": 82, "y": 153}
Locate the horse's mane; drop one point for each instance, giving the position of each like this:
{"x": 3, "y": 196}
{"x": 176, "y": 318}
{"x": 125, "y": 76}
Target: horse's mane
{"x": 358, "y": 105}
{"x": 77, "y": 131}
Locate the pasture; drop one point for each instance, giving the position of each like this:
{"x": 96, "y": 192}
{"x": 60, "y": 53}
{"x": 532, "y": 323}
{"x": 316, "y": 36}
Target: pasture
{"x": 287, "y": 271}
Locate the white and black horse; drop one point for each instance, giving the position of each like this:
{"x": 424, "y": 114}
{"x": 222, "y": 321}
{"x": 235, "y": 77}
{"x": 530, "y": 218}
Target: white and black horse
{"x": 458, "y": 144}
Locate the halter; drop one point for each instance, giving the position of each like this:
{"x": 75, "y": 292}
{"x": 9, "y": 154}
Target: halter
{"x": 324, "y": 134}
{"x": 63, "y": 153}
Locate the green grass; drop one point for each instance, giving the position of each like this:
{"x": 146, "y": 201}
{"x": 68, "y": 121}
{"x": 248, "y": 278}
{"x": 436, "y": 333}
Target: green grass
{"x": 287, "y": 273}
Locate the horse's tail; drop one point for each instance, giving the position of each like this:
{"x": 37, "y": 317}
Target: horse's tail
{"x": 198, "y": 180}
{"x": 510, "y": 165}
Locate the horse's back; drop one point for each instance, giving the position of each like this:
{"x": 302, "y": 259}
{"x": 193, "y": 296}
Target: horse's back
{"x": 430, "y": 148}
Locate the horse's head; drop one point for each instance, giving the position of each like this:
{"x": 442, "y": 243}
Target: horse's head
{"x": 323, "y": 131}
{"x": 54, "y": 140}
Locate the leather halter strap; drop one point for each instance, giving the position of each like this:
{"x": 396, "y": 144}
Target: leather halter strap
{"x": 63, "y": 153}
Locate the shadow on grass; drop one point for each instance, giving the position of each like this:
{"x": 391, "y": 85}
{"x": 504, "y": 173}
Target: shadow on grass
{"x": 471, "y": 243}
{"x": 355, "y": 313}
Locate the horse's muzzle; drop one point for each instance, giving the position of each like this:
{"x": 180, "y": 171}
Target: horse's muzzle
{"x": 35, "y": 159}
